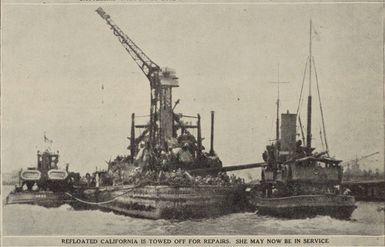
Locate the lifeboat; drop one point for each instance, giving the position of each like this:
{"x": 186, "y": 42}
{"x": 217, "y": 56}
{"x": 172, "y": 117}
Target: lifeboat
{"x": 57, "y": 175}
{"x": 30, "y": 175}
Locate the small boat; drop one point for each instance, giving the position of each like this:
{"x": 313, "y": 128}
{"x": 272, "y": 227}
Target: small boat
{"x": 298, "y": 182}
{"x": 44, "y": 185}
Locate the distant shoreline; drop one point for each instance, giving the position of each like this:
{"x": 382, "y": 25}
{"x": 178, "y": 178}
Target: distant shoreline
{"x": 10, "y": 178}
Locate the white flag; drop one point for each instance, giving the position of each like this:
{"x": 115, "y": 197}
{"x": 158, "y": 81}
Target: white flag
{"x": 46, "y": 140}
{"x": 316, "y": 34}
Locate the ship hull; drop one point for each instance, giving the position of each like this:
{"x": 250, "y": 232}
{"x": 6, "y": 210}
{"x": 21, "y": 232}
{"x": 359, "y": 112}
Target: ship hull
{"x": 165, "y": 202}
{"x": 41, "y": 198}
{"x": 337, "y": 206}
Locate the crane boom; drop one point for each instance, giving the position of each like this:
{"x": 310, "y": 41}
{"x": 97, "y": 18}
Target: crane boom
{"x": 367, "y": 156}
{"x": 161, "y": 126}
{"x": 148, "y": 67}
{"x": 361, "y": 158}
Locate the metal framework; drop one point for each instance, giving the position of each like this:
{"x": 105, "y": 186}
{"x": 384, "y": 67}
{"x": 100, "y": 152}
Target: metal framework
{"x": 160, "y": 95}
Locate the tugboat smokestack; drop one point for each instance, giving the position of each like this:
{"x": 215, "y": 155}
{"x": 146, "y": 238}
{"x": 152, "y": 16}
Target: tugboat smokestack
{"x": 308, "y": 131}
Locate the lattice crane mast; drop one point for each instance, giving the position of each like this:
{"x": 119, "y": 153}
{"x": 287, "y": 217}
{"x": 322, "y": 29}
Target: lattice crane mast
{"x": 161, "y": 83}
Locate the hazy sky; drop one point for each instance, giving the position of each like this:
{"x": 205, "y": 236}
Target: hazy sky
{"x": 57, "y": 57}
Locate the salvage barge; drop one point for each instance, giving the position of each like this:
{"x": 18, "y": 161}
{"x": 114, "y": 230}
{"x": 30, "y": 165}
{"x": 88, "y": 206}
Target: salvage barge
{"x": 179, "y": 195}
{"x": 298, "y": 182}
{"x": 168, "y": 173}
{"x": 164, "y": 201}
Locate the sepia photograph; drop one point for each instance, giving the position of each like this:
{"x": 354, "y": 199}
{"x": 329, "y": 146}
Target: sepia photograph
{"x": 127, "y": 123}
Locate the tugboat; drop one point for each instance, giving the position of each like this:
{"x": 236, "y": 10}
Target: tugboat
{"x": 298, "y": 182}
{"x": 45, "y": 184}
{"x": 167, "y": 173}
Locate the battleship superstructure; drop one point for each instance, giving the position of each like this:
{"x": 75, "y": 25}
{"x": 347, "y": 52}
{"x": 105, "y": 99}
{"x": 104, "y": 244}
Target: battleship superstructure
{"x": 168, "y": 173}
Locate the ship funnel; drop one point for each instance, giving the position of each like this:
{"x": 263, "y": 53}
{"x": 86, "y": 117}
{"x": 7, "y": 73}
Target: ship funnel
{"x": 288, "y": 131}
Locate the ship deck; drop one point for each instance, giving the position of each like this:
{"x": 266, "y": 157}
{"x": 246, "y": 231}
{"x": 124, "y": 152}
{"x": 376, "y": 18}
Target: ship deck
{"x": 337, "y": 206}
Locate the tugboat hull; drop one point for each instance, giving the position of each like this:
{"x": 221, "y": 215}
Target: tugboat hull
{"x": 337, "y": 206}
{"x": 164, "y": 202}
{"x": 41, "y": 198}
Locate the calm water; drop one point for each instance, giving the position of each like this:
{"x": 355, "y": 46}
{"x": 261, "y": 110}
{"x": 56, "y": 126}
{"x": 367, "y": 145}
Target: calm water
{"x": 35, "y": 220}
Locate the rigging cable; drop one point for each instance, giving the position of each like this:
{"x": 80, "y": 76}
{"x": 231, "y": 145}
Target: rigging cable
{"x": 301, "y": 127}
{"x": 303, "y": 82}
{"x": 320, "y": 106}
{"x": 300, "y": 100}
{"x": 322, "y": 141}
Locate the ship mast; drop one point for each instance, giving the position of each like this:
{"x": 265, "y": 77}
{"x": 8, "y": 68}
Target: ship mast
{"x": 310, "y": 61}
{"x": 278, "y": 100}
{"x": 277, "y": 121}
{"x": 309, "y": 98}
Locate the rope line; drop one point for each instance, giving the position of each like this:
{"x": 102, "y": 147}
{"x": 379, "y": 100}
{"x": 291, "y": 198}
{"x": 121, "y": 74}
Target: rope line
{"x": 300, "y": 101}
{"x": 301, "y": 127}
{"x": 88, "y": 202}
{"x": 303, "y": 82}
{"x": 104, "y": 202}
